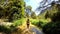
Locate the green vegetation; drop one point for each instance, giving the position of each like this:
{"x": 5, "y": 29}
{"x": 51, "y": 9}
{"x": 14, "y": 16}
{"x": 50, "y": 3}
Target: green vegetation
{"x": 54, "y": 14}
{"x": 39, "y": 22}
{"x": 33, "y": 15}
{"x": 16, "y": 12}
{"x": 12, "y": 9}
{"x": 19, "y": 21}
{"x": 52, "y": 28}
{"x": 8, "y": 29}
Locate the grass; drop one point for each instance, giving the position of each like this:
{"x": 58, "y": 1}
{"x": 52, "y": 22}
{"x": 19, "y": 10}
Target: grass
{"x": 19, "y": 22}
{"x": 7, "y": 29}
{"x": 39, "y": 22}
{"x": 13, "y": 28}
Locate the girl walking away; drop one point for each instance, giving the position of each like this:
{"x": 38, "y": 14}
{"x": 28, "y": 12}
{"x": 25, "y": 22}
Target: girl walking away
{"x": 28, "y": 23}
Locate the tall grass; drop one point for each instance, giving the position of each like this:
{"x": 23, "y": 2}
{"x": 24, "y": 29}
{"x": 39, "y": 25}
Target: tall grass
{"x": 39, "y": 22}
{"x": 19, "y": 22}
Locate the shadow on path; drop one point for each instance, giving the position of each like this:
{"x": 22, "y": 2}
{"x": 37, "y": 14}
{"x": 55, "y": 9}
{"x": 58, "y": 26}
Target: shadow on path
{"x": 32, "y": 30}
{"x": 37, "y": 31}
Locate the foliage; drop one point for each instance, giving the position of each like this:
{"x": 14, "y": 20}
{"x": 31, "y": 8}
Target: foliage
{"x": 53, "y": 10}
{"x": 19, "y": 22}
{"x": 53, "y": 13}
{"x": 52, "y": 28}
{"x": 56, "y": 16}
{"x": 39, "y": 23}
{"x": 33, "y": 15}
{"x": 13, "y": 9}
{"x": 29, "y": 8}
{"x": 42, "y": 15}
{"x": 8, "y": 29}
{"x": 28, "y": 11}
{"x": 27, "y": 15}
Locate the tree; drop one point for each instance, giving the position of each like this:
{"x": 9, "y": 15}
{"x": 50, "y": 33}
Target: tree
{"x": 28, "y": 11}
{"x": 56, "y": 16}
{"x": 54, "y": 13}
{"x": 12, "y": 7}
{"x": 47, "y": 15}
{"x": 33, "y": 15}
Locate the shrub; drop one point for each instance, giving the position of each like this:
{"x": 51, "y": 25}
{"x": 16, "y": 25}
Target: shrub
{"x": 52, "y": 28}
{"x": 18, "y": 22}
{"x": 7, "y": 29}
{"x": 38, "y": 24}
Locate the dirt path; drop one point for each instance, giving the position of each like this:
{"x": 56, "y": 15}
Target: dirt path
{"x": 37, "y": 31}
{"x": 32, "y": 30}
